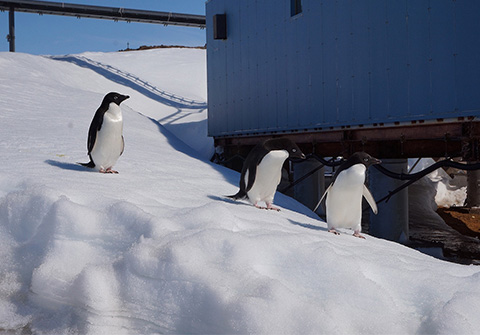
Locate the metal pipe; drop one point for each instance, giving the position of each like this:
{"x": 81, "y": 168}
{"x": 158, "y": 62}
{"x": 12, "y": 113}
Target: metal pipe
{"x": 102, "y": 12}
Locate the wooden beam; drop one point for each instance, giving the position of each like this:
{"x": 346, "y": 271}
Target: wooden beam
{"x": 455, "y": 139}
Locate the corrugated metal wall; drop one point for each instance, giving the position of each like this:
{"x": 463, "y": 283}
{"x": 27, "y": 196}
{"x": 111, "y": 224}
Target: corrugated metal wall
{"x": 341, "y": 63}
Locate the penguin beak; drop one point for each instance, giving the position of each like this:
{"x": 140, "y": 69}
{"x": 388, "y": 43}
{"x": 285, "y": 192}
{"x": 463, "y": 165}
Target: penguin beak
{"x": 376, "y": 161}
{"x": 122, "y": 98}
{"x": 298, "y": 154}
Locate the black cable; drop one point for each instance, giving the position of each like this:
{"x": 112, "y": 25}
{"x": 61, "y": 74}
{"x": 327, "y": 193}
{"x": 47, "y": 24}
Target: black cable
{"x": 431, "y": 168}
{"x": 331, "y": 162}
{"x": 299, "y": 180}
{"x": 323, "y": 161}
{"x": 412, "y": 177}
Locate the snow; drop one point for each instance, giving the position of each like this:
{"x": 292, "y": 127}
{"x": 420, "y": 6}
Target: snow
{"x": 449, "y": 192}
{"x": 157, "y": 248}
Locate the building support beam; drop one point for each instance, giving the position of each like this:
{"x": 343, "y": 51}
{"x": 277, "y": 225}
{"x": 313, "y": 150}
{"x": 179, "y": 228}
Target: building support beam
{"x": 391, "y": 222}
{"x": 473, "y": 189}
{"x": 310, "y": 190}
{"x": 438, "y": 139}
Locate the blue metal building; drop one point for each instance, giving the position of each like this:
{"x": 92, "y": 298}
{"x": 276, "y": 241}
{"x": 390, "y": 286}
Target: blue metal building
{"x": 399, "y": 78}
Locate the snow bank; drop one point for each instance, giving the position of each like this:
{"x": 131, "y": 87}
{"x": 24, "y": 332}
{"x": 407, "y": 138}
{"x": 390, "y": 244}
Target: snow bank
{"x": 158, "y": 249}
{"x": 449, "y": 192}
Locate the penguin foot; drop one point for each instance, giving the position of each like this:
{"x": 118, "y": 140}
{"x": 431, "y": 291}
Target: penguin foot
{"x": 357, "y": 234}
{"x": 109, "y": 170}
{"x": 332, "y": 230}
{"x": 270, "y": 206}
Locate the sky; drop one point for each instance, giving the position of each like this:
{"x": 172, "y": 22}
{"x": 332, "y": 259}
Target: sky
{"x": 58, "y": 35}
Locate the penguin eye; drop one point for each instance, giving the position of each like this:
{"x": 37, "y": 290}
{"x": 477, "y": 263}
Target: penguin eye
{"x": 115, "y": 97}
{"x": 365, "y": 159}
{"x": 294, "y": 150}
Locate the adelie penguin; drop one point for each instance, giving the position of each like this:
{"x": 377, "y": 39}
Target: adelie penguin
{"x": 105, "y": 136}
{"x": 344, "y": 195}
{"x": 262, "y": 170}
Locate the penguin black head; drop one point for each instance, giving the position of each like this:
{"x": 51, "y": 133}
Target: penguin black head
{"x": 364, "y": 158}
{"x": 284, "y": 143}
{"x": 115, "y": 98}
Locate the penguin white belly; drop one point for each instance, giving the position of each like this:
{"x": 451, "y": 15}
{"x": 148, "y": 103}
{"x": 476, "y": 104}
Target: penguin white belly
{"x": 344, "y": 200}
{"x": 109, "y": 142}
{"x": 267, "y": 178}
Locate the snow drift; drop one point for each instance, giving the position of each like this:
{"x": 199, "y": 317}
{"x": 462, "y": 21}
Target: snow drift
{"x": 157, "y": 248}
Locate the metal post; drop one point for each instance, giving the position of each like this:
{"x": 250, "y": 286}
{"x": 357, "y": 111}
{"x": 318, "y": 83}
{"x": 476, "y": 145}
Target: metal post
{"x": 391, "y": 222}
{"x": 309, "y": 191}
{"x": 11, "y": 29}
{"x": 473, "y": 188}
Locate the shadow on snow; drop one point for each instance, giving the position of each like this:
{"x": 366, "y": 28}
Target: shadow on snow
{"x": 129, "y": 80}
{"x": 68, "y": 166}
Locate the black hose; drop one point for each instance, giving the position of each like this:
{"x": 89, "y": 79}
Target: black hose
{"x": 412, "y": 177}
{"x": 431, "y": 168}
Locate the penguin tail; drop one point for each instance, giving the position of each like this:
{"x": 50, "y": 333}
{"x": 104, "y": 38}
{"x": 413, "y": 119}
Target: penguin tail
{"x": 240, "y": 195}
{"x": 90, "y": 164}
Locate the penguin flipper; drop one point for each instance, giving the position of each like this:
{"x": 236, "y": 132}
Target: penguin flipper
{"x": 95, "y": 126}
{"x": 250, "y": 177}
{"x": 369, "y": 197}
{"x": 323, "y": 196}
{"x": 249, "y": 170}
{"x": 242, "y": 192}
{"x": 92, "y": 137}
